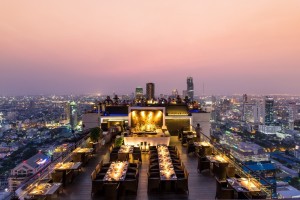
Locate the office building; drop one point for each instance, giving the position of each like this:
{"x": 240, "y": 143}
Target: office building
{"x": 150, "y": 91}
{"x": 73, "y": 114}
{"x": 26, "y": 169}
{"x": 269, "y": 111}
{"x": 138, "y": 93}
{"x": 190, "y": 88}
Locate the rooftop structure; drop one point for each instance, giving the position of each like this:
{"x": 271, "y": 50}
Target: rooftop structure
{"x": 285, "y": 191}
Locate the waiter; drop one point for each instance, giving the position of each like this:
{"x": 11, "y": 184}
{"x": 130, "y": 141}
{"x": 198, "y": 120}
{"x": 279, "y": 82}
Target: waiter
{"x": 198, "y": 130}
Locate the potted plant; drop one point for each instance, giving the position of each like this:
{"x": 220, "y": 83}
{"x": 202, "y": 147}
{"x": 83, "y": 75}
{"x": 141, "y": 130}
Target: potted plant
{"x": 119, "y": 141}
{"x": 95, "y": 135}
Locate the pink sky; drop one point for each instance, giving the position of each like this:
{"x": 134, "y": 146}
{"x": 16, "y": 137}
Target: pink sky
{"x": 73, "y": 46}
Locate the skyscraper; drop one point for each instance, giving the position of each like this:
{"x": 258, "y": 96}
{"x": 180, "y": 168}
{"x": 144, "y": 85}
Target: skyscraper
{"x": 256, "y": 112}
{"x": 269, "y": 111}
{"x": 245, "y": 100}
{"x": 175, "y": 92}
{"x": 292, "y": 115}
{"x": 190, "y": 88}
{"x": 73, "y": 114}
{"x": 150, "y": 91}
{"x": 139, "y": 93}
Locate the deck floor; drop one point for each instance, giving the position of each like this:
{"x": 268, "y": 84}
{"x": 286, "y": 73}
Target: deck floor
{"x": 201, "y": 186}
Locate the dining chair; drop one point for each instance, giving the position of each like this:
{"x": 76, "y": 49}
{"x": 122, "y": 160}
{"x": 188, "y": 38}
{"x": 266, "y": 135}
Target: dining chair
{"x": 152, "y": 148}
{"x": 182, "y": 183}
{"x": 153, "y": 184}
{"x": 97, "y": 184}
{"x": 106, "y": 164}
{"x": 113, "y": 157}
{"x": 123, "y": 156}
{"x": 230, "y": 171}
{"x": 57, "y": 176}
{"x": 111, "y": 190}
{"x": 203, "y": 164}
{"x": 130, "y": 185}
{"x": 223, "y": 191}
{"x": 76, "y": 157}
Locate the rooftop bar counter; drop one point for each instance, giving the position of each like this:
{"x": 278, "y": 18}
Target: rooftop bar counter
{"x": 153, "y": 138}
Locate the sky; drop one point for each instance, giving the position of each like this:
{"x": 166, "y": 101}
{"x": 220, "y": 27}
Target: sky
{"x": 100, "y": 46}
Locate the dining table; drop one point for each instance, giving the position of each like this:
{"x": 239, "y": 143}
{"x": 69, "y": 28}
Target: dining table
{"x": 166, "y": 167}
{"x": 65, "y": 167}
{"x": 116, "y": 171}
{"x": 83, "y": 152}
{"x": 44, "y": 190}
{"x": 126, "y": 149}
{"x": 243, "y": 186}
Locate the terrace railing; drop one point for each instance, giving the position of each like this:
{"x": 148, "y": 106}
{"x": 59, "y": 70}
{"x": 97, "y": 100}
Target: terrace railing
{"x": 266, "y": 187}
{"x": 44, "y": 173}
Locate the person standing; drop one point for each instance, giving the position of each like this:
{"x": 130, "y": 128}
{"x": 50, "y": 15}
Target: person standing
{"x": 198, "y": 130}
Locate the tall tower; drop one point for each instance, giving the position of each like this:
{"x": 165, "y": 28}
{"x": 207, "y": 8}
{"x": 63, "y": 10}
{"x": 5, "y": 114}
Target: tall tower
{"x": 245, "y": 100}
{"x": 175, "y": 93}
{"x": 73, "y": 114}
{"x": 269, "y": 111}
{"x": 1, "y": 119}
{"x": 150, "y": 91}
{"x": 190, "y": 88}
{"x": 292, "y": 115}
{"x": 256, "y": 113}
{"x": 138, "y": 93}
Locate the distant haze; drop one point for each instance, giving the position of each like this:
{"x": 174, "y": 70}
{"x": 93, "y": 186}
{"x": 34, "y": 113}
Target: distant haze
{"x": 95, "y": 46}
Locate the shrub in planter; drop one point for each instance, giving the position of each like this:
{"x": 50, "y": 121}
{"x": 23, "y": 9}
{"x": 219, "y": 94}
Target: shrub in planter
{"x": 119, "y": 141}
{"x": 95, "y": 134}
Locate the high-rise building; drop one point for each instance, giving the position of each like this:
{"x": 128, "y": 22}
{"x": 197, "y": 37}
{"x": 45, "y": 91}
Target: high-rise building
{"x": 190, "y": 88}
{"x": 269, "y": 111}
{"x": 73, "y": 114}
{"x": 1, "y": 119}
{"x": 256, "y": 113}
{"x": 175, "y": 92}
{"x": 292, "y": 114}
{"x": 139, "y": 93}
{"x": 150, "y": 89}
{"x": 245, "y": 100}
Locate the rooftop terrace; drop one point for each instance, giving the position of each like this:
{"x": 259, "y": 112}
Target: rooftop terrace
{"x": 201, "y": 186}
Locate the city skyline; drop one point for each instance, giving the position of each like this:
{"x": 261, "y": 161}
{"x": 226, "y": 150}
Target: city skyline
{"x": 100, "y": 47}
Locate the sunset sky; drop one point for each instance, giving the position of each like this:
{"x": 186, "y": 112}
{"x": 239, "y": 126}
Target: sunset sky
{"x": 94, "y": 46}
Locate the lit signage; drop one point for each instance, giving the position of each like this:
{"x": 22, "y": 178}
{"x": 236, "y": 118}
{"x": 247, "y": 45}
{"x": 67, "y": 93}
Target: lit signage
{"x": 41, "y": 161}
